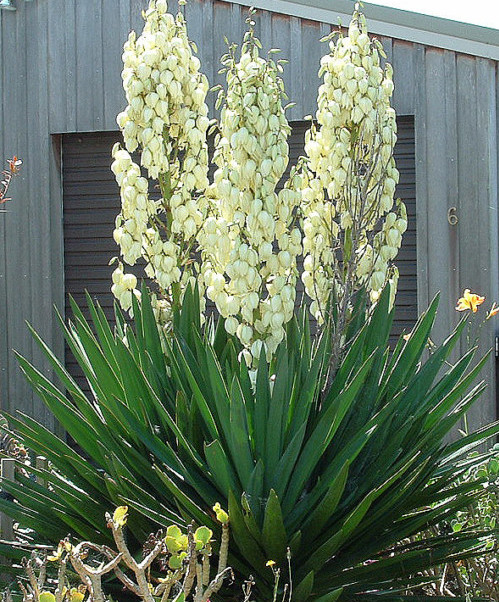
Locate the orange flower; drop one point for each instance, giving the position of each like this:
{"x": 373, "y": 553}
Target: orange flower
{"x": 493, "y": 311}
{"x": 469, "y": 300}
{"x": 14, "y": 165}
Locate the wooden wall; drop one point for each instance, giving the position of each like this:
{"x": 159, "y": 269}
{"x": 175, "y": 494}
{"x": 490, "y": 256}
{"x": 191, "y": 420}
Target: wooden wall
{"x": 60, "y": 72}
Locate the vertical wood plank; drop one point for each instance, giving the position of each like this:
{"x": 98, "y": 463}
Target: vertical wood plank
{"x": 57, "y": 75}
{"x": 403, "y": 56}
{"x": 210, "y": 61}
{"x": 173, "y": 7}
{"x": 312, "y": 51}
{"x": 85, "y": 104}
{"x": 42, "y": 278}
{"x": 194, "y": 19}
{"x": 468, "y": 209}
{"x": 295, "y": 68}
{"x": 220, "y": 17}
{"x": 421, "y": 181}
{"x": 18, "y": 244}
{"x": 55, "y": 278}
{"x": 281, "y": 38}
{"x": 451, "y": 167}
{"x": 236, "y": 24}
{"x": 136, "y": 20}
{"x": 115, "y": 36}
{"x": 265, "y": 19}
{"x": 98, "y": 53}
{"x": 470, "y": 244}
{"x": 124, "y": 18}
{"x": 387, "y": 43}
{"x": 486, "y": 194}
{"x": 437, "y": 205}
{"x": 70, "y": 50}
{"x": 4, "y": 355}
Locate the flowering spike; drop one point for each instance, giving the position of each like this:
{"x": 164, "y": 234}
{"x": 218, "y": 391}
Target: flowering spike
{"x": 250, "y": 242}
{"x": 166, "y": 122}
{"x": 352, "y": 229}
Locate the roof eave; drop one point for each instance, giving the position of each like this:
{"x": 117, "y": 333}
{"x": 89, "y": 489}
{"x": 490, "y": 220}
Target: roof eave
{"x": 401, "y": 24}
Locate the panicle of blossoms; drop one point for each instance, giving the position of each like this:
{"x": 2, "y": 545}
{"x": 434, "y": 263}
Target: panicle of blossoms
{"x": 352, "y": 228}
{"x": 166, "y": 122}
{"x": 123, "y": 287}
{"x": 250, "y": 242}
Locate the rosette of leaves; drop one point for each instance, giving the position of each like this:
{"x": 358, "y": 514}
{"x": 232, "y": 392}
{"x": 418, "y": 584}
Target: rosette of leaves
{"x": 339, "y": 473}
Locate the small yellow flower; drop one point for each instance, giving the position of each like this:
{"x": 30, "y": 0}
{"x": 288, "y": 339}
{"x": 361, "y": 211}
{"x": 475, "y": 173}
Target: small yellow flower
{"x": 270, "y": 563}
{"x": 76, "y": 595}
{"x": 493, "y": 311}
{"x": 120, "y": 515}
{"x": 469, "y": 300}
{"x": 222, "y": 516}
{"x": 64, "y": 545}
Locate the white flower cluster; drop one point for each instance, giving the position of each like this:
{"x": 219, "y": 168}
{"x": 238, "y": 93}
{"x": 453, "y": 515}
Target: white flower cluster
{"x": 166, "y": 96}
{"x": 166, "y": 120}
{"x": 124, "y": 285}
{"x": 136, "y": 206}
{"x": 375, "y": 260}
{"x": 348, "y": 190}
{"x": 249, "y": 242}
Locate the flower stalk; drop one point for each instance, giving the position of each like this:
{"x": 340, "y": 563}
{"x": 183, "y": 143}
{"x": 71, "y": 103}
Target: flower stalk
{"x": 250, "y": 241}
{"x": 352, "y": 225}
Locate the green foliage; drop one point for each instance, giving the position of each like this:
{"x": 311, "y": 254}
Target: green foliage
{"x": 476, "y": 576}
{"x": 338, "y": 474}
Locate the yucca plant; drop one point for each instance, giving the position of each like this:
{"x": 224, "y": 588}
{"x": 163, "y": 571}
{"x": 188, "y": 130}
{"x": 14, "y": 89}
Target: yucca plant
{"x": 340, "y": 475}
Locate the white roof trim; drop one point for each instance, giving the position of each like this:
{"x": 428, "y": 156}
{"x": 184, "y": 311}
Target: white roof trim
{"x": 395, "y": 23}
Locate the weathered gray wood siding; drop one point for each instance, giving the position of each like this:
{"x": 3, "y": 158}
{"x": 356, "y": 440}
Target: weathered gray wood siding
{"x": 60, "y": 72}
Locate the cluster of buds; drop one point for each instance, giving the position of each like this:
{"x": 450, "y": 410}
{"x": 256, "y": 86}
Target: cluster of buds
{"x": 352, "y": 228}
{"x": 166, "y": 121}
{"x": 124, "y": 286}
{"x": 250, "y": 242}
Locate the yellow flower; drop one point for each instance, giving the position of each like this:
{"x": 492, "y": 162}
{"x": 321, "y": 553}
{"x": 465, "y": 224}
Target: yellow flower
{"x": 120, "y": 515}
{"x": 56, "y": 555}
{"x": 222, "y": 516}
{"x": 76, "y": 595}
{"x": 270, "y": 563}
{"x": 493, "y": 311}
{"x": 64, "y": 545}
{"x": 469, "y": 300}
